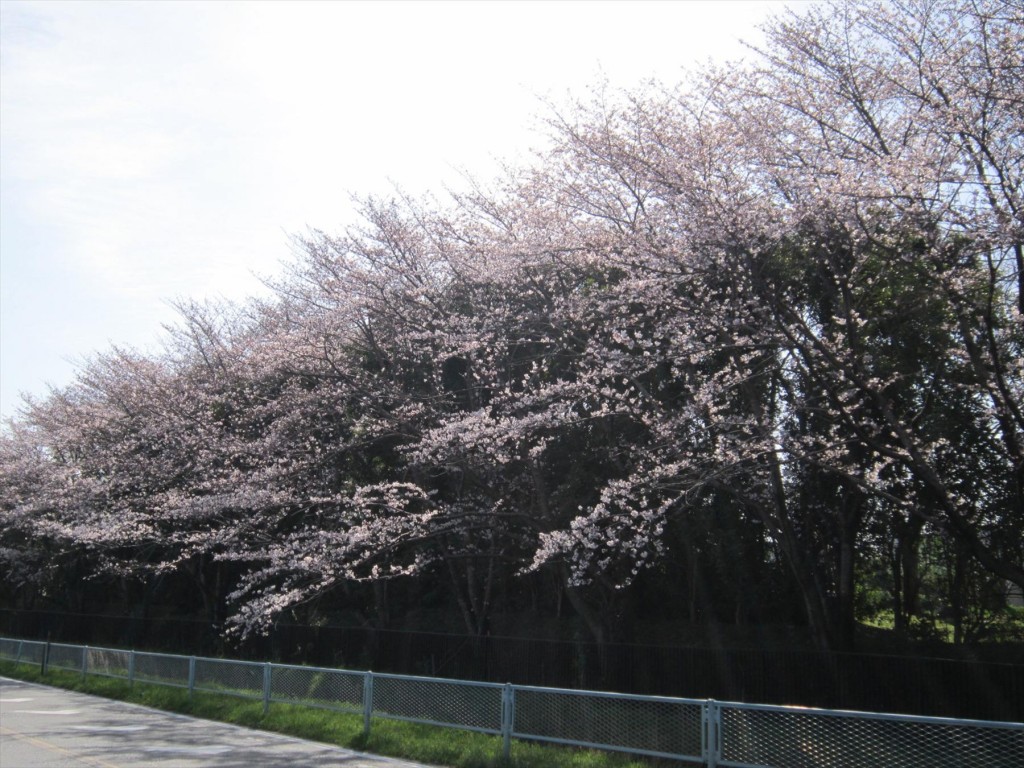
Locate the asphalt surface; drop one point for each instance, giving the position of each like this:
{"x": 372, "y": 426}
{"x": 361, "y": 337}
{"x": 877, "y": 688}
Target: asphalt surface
{"x": 43, "y": 727}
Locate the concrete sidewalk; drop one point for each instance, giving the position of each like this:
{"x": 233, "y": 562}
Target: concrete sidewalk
{"x": 43, "y": 727}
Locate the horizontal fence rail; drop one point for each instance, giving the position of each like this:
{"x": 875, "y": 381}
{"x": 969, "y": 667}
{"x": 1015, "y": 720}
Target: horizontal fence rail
{"x": 696, "y": 731}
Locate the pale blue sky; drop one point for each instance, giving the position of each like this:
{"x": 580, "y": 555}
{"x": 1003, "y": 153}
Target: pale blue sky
{"x": 155, "y": 150}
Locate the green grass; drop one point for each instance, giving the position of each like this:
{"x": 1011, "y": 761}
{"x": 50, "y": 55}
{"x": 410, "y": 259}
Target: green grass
{"x": 408, "y": 741}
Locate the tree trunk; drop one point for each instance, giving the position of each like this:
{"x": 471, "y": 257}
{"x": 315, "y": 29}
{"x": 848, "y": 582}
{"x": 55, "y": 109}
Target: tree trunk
{"x": 909, "y": 538}
{"x": 851, "y": 514}
{"x": 778, "y": 522}
{"x": 381, "y": 605}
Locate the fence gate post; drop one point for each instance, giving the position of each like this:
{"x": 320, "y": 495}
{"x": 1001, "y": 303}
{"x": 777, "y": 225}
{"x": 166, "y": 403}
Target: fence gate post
{"x": 367, "y": 702}
{"x": 266, "y": 687}
{"x": 508, "y": 703}
{"x": 191, "y": 676}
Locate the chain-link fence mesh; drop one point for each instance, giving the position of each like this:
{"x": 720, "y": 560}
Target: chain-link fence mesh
{"x": 9, "y": 649}
{"x": 67, "y": 657}
{"x": 108, "y": 662}
{"x": 767, "y": 736}
{"x": 470, "y": 706}
{"x": 313, "y": 687}
{"x": 236, "y": 678}
{"x": 645, "y": 725}
{"x": 31, "y": 652}
{"x": 747, "y": 736}
{"x": 162, "y": 669}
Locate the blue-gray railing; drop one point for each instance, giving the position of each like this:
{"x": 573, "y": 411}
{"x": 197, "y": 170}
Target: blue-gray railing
{"x": 697, "y": 731}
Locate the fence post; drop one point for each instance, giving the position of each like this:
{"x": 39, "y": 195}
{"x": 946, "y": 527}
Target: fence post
{"x": 266, "y": 687}
{"x": 191, "y": 677}
{"x": 17, "y": 658}
{"x": 46, "y": 657}
{"x": 508, "y": 703}
{"x": 367, "y": 702}
{"x": 85, "y": 661}
{"x": 712, "y": 728}
{"x": 131, "y": 669}
{"x": 704, "y": 733}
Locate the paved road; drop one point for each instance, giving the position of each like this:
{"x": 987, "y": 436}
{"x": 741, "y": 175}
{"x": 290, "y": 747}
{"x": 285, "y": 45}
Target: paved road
{"x": 42, "y": 727}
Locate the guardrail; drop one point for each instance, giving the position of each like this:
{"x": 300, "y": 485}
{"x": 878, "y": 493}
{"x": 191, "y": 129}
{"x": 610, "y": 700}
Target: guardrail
{"x": 697, "y": 731}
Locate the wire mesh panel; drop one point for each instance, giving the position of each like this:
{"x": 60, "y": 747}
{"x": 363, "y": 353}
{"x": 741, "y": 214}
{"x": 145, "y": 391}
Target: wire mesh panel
{"x": 747, "y": 735}
{"x": 789, "y": 738}
{"x": 469, "y": 706}
{"x": 236, "y": 678}
{"x": 162, "y": 669}
{"x": 314, "y": 687}
{"x": 65, "y": 657}
{"x": 640, "y": 724}
{"x": 108, "y": 662}
{"x": 8, "y": 649}
{"x": 31, "y": 651}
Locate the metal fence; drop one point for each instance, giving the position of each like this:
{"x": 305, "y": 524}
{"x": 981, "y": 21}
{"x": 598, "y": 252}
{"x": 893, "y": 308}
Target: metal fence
{"x": 696, "y": 731}
{"x": 976, "y": 682}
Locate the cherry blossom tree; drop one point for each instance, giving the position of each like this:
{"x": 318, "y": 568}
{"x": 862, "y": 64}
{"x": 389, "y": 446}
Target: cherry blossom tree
{"x": 783, "y": 301}
{"x": 822, "y": 202}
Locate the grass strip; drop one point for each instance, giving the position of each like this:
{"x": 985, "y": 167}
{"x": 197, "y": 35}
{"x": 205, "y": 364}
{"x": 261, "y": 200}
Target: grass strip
{"x": 408, "y": 741}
